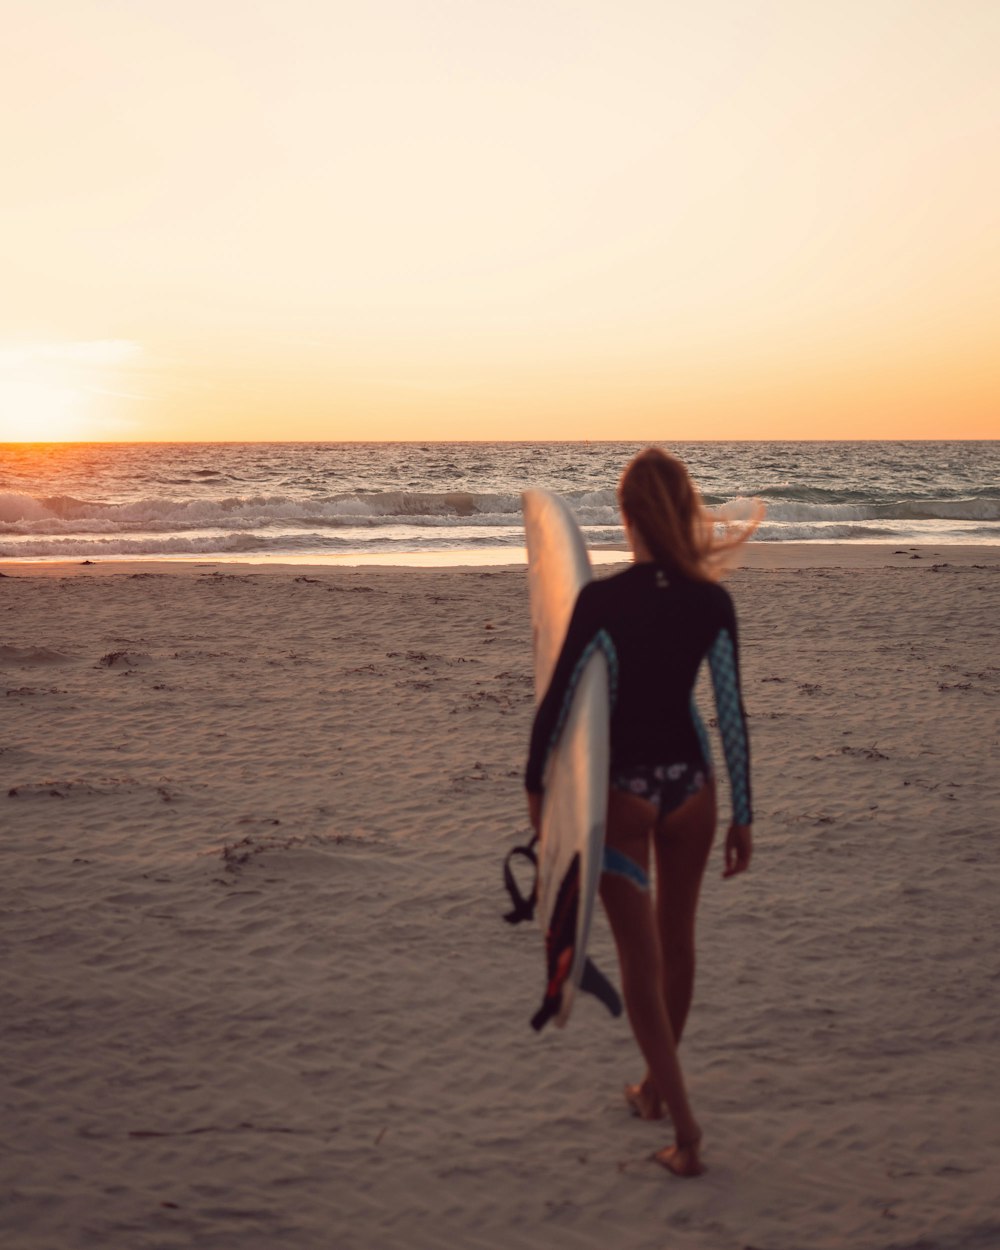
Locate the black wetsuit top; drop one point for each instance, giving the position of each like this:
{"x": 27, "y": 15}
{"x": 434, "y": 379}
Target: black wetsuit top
{"x": 655, "y": 630}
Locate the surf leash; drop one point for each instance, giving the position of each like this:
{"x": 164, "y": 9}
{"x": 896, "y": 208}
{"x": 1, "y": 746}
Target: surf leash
{"x": 524, "y": 908}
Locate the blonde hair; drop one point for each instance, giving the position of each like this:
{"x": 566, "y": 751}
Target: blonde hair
{"x": 659, "y": 500}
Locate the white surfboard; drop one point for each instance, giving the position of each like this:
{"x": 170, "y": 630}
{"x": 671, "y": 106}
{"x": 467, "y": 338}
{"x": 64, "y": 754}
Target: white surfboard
{"x": 574, "y": 808}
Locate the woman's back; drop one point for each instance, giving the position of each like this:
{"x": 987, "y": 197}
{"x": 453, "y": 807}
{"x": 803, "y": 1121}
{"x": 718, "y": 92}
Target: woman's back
{"x": 661, "y": 629}
{"x": 655, "y": 630}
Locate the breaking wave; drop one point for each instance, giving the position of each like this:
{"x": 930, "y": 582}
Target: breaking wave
{"x": 134, "y": 500}
{"x": 64, "y": 514}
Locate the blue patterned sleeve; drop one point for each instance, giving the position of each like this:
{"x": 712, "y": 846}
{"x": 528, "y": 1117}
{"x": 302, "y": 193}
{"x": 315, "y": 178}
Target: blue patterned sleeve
{"x": 723, "y": 664}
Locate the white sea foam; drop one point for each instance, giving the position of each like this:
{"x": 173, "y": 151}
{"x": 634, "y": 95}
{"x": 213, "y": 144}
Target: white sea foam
{"x": 902, "y": 510}
{"x": 164, "y": 499}
{"x": 23, "y": 514}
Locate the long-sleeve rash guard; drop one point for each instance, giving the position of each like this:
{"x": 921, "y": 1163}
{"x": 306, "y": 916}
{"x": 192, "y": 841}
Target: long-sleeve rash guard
{"x": 655, "y": 630}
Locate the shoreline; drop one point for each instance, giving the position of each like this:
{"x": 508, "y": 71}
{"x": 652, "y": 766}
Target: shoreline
{"x": 757, "y": 556}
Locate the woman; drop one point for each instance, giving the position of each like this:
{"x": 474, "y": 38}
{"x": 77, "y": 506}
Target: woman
{"x": 657, "y": 622}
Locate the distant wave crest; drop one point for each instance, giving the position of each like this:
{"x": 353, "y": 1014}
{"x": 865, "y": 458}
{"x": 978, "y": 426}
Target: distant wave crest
{"x": 24, "y": 514}
{"x": 64, "y": 525}
{"x": 980, "y": 509}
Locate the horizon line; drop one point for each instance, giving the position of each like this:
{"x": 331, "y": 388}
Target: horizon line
{"x": 528, "y": 442}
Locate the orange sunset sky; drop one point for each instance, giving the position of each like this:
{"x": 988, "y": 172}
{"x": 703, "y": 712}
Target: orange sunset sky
{"x": 316, "y": 219}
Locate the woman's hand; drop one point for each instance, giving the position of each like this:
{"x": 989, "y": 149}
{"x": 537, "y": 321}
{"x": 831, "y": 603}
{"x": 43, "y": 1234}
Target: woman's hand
{"x": 534, "y": 810}
{"x": 739, "y": 848}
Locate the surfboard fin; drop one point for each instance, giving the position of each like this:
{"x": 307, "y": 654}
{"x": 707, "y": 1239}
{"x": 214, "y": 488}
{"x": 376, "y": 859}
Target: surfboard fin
{"x": 595, "y": 982}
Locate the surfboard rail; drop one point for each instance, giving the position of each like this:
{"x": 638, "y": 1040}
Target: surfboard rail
{"x": 574, "y": 806}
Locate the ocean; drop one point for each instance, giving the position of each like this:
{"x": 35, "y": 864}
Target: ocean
{"x": 377, "y": 501}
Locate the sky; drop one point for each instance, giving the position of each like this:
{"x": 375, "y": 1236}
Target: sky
{"x": 648, "y": 219}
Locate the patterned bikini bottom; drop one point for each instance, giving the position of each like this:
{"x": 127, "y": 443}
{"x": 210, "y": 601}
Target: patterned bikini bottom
{"x": 666, "y": 786}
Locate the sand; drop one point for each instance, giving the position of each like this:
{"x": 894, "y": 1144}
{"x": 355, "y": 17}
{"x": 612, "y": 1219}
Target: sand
{"x": 256, "y": 988}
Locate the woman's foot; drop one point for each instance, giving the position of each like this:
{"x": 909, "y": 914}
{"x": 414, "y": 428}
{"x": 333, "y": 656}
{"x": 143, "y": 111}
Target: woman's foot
{"x": 644, "y": 1101}
{"x": 683, "y": 1159}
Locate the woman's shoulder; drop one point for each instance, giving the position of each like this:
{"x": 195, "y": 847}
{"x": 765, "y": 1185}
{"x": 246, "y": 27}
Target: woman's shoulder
{"x": 609, "y": 582}
{"x": 605, "y": 598}
{"x": 715, "y": 592}
{"x": 595, "y": 594}
{"x": 710, "y": 597}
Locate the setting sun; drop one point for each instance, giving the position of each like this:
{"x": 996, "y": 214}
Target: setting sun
{"x": 57, "y": 392}
{"x": 36, "y": 411}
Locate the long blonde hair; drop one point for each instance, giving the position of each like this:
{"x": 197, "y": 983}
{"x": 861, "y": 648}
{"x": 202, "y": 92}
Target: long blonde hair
{"x": 659, "y": 500}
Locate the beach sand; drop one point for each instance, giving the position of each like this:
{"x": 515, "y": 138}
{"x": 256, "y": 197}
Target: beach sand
{"x": 256, "y": 990}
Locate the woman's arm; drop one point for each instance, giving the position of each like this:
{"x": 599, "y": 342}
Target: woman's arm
{"x": 723, "y": 662}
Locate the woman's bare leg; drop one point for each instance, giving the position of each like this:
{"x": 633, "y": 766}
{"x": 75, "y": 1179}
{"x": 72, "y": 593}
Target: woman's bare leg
{"x": 683, "y": 842}
{"x": 633, "y": 923}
